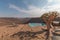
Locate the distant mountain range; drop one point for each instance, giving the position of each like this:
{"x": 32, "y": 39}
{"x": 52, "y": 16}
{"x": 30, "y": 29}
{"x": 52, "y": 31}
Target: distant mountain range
{"x": 23, "y": 20}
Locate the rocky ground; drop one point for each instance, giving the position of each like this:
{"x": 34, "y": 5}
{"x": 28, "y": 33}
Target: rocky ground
{"x": 22, "y": 32}
{"x": 12, "y": 29}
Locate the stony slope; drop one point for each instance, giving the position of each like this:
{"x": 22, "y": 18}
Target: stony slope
{"x": 18, "y": 31}
{"x": 22, "y": 30}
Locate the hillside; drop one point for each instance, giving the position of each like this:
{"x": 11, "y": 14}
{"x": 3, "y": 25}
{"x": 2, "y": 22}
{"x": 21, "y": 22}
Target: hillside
{"x": 13, "y": 29}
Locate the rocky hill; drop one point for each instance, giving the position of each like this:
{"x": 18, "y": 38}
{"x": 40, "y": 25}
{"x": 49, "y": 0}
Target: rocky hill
{"x": 13, "y": 29}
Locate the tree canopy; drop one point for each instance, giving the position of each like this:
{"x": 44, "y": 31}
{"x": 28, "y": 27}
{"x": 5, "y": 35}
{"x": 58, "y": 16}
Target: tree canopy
{"x": 50, "y": 16}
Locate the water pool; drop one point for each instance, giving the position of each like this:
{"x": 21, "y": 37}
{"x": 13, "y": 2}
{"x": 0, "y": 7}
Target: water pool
{"x": 36, "y": 24}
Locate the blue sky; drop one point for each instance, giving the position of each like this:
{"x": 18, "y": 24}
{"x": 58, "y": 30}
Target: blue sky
{"x": 27, "y": 8}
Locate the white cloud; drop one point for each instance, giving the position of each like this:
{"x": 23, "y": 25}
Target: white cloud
{"x": 52, "y": 5}
{"x": 57, "y": 0}
{"x": 53, "y": 0}
{"x": 50, "y": 0}
{"x": 33, "y": 11}
{"x": 16, "y": 8}
{"x": 55, "y": 7}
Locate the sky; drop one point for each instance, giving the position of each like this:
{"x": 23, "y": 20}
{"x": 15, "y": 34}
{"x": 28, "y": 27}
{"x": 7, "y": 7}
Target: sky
{"x": 27, "y": 8}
